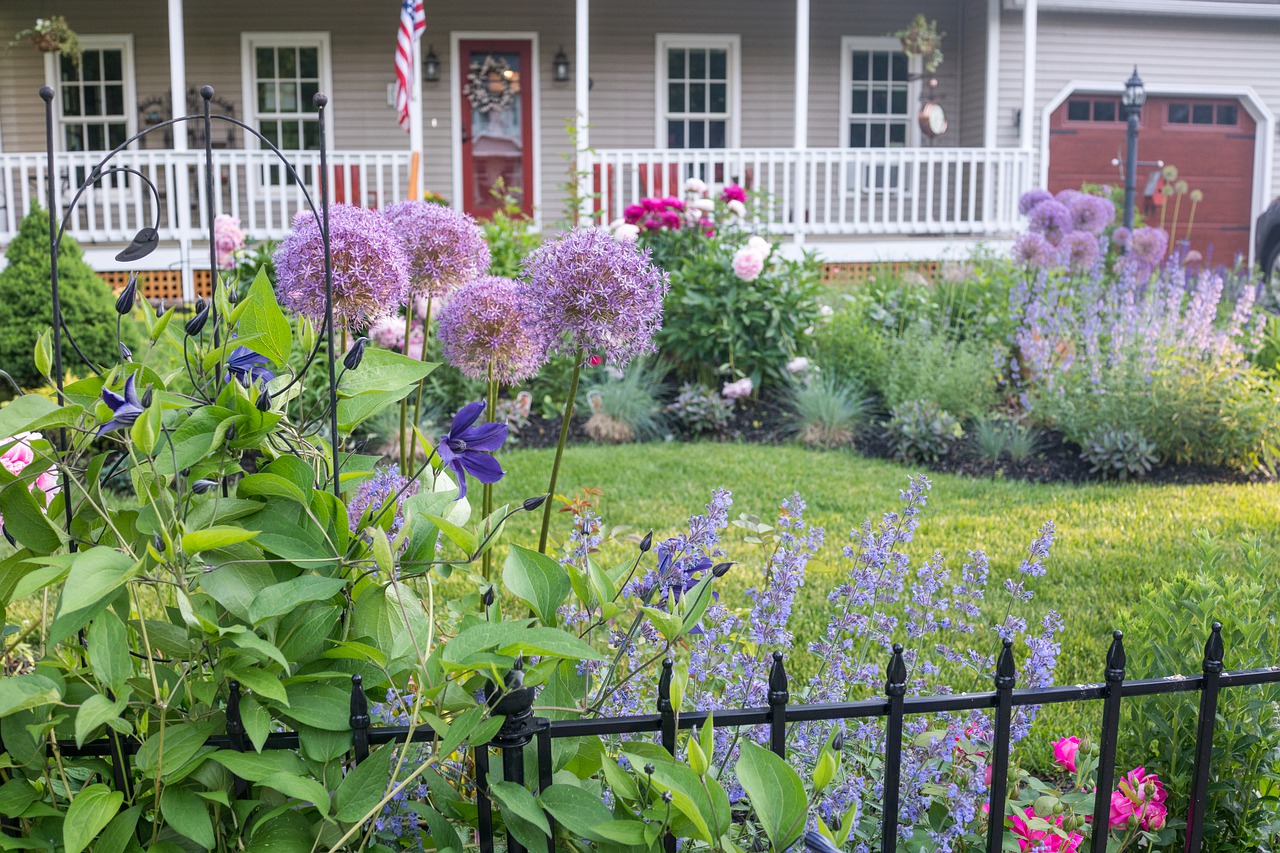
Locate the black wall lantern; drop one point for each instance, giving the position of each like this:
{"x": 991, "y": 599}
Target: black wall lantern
{"x": 560, "y": 66}
{"x": 431, "y": 66}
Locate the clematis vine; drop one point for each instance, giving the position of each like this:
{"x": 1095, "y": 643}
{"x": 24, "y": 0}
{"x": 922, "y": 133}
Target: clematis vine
{"x": 125, "y": 407}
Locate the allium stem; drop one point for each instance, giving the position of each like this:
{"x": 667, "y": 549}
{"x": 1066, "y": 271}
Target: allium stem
{"x": 555, "y": 465}
{"x": 492, "y": 413}
{"x": 404, "y": 404}
{"x": 417, "y": 403}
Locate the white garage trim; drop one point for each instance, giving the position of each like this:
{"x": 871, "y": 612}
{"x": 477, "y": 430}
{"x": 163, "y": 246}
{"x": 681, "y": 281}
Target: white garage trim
{"x": 1263, "y": 146}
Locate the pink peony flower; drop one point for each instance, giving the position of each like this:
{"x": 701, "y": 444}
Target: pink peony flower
{"x": 799, "y": 364}
{"x": 670, "y": 219}
{"x": 228, "y": 238}
{"x": 695, "y": 186}
{"x": 1142, "y": 795}
{"x": 1064, "y": 752}
{"x": 673, "y": 203}
{"x": 736, "y": 207}
{"x": 738, "y": 390}
{"x": 626, "y": 233}
{"x": 748, "y": 264}
{"x": 733, "y": 192}
{"x": 760, "y": 244}
{"x": 652, "y": 205}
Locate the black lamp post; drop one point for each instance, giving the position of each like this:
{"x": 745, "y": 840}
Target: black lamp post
{"x": 1135, "y": 95}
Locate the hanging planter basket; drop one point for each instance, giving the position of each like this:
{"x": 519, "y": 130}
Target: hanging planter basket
{"x": 52, "y": 35}
{"x": 921, "y": 38}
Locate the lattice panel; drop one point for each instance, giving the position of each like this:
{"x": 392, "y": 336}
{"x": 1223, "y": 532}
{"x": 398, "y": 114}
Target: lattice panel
{"x": 159, "y": 285}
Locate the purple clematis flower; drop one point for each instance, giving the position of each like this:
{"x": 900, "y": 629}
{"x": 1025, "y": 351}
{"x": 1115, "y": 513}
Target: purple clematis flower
{"x": 249, "y": 367}
{"x": 125, "y": 409}
{"x": 469, "y": 449}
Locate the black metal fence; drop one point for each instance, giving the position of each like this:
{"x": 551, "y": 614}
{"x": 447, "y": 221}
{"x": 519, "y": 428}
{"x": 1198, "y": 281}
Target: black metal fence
{"x": 521, "y": 728}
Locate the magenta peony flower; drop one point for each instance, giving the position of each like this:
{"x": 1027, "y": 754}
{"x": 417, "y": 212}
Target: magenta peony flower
{"x": 488, "y": 327}
{"x": 633, "y": 213}
{"x": 1081, "y": 250}
{"x": 369, "y": 278}
{"x": 228, "y": 238}
{"x": 1031, "y": 198}
{"x": 444, "y": 248}
{"x": 748, "y": 263}
{"x": 596, "y": 294}
{"x": 1065, "y": 751}
{"x": 1052, "y": 219}
{"x": 733, "y": 192}
{"x": 1033, "y": 250}
{"x": 670, "y": 219}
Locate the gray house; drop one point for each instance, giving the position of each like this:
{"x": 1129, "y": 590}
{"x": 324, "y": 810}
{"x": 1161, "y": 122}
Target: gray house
{"x": 860, "y": 152}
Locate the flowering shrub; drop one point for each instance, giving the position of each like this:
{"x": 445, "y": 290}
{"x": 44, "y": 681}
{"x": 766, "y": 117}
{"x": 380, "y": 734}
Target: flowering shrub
{"x": 699, "y": 410}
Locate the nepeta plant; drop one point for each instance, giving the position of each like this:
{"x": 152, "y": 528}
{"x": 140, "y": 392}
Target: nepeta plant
{"x": 700, "y": 410}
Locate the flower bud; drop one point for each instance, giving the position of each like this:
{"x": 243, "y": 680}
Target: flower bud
{"x": 157, "y": 542}
{"x": 1058, "y": 807}
{"x": 126, "y": 354}
{"x": 354, "y": 356}
{"x": 232, "y": 297}
{"x": 146, "y": 398}
{"x": 698, "y": 759}
{"x": 1044, "y": 805}
{"x": 722, "y": 569}
{"x": 489, "y": 596}
{"x": 124, "y": 302}
{"x": 837, "y": 743}
{"x": 195, "y": 325}
{"x": 264, "y": 401}
{"x": 202, "y": 486}
{"x": 825, "y": 771}
{"x": 648, "y": 769}
{"x": 666, "y": 796}
{"x": 231, "y": 433}
{"x": 1149, "y": 789}
{"x": 647, "y": 542}
{"x": 530, "y": 504}
{"x": 1155, "y": 823}
{"x": 1132, "y": 822}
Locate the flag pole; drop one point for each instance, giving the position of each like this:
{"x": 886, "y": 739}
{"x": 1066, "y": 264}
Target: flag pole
{"x": 415, "y": 120}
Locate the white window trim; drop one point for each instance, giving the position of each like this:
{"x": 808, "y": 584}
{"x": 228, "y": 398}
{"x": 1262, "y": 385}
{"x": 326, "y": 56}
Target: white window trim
{"x": 848, "y": 44}
{"x": 729, "y": 42}
{"x": 248, "y": 41}
{"x": 124, "y": 42}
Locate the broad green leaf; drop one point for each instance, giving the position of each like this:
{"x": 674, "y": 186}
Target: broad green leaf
{"x": 271, "y": 485}
{"x": 192, "y": 441}
{"x": 254, "y": 767}
{"x": 251, "y": 642}
{"x": 95, "y": 574}
{"x": 32, "y": 413}
{"x": 25, "y": 519}
{"x": 257, "y": 722}
{"x": 15, "y": 796}
{"x": 366, "y": 784}
{"x": 236, "y": 586}
{"x": 668, "y": 625}
{"x": 109, "y": 651}
{"x": 261, "y": 317}
{"x": 550, "y": 642}
{"x": 538, "y": 580}
{"x": 116, "y": 837}
{"x": 353, "y": 411}
{"x": 300, "y": 788}
{"x": 21, "y": 692}
{"x": 264, "y": 684}
{"x": 707, "y": 808}
{"x": 94, "y": 712}
{"x": 38, "y": 580}
{"x": 298, "y": 472}
{"x": 89, "y": 813}
{"x": 775, "y": 791}
{"x": 215, "y": 537}
{"x": 181, "y": 742}
{"x": 321, "y": 706}
{"x": 464, "y": 539}
{"x": 187, "y": 814}
{"x": 283, "y": 598}
{"x": 382, "y": 370}
{"x": 524, "y": 817}
{"x": 576, "y": 809}
{"x": 480, "y": 638}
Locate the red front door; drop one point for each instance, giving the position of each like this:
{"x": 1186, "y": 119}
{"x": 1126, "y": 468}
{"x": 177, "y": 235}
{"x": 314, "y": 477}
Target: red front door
{"x": 497, "y": 123}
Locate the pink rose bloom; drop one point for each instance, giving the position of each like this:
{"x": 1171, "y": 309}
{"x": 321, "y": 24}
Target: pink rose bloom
{"x": 633, "y": 213}
{"x": 1064, "y": 752}
{"x": 1043, "y": 839}
{"x": 733, "y": 192}
{"x": 738, "y": 390}
{"x": 748, "y": 264}
{"x": 1132, "y": 797}
{"x": 48, "y": 483}
{"x": 228, "y": 238}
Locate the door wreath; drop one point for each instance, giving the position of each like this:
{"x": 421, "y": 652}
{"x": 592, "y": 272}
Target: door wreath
{"x": 491, "y": 85}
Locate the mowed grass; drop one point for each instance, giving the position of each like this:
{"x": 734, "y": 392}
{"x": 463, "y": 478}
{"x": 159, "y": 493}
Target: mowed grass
{"x": 1111, "y": 537}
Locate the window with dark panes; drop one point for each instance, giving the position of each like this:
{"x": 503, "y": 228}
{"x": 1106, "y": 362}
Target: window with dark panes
{"x": 1179, "y": 113}
{"x": 879, "y": 108}
{"x": 285, "y": 79}
{"x": 1202, "y": 114}
{"x": 94, "y": 115}
{"x": 1228, "y": 114}
{"x": 697, "y": 97}
{"x": 1079, "y": 110}
{"x": 1104, "y": 111}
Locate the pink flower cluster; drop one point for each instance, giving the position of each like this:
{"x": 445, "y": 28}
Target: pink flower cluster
{"x": 228, "y": 238}
{"x": 18, "y": 455}
{"x": 748, "y": 262}
{"x": 1139, "y": 801}
{"x": 738, "y": 390}
{"x": 1058, "y": 841}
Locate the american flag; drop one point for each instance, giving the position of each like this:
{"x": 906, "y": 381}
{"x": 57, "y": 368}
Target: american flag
{"x": 413, "y": 20}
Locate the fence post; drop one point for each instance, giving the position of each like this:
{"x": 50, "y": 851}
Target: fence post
{"x": 1107, "y": 747}
{"x": 8, "y": 826}
{"x": 778, "y": 698}
{"x": 545, "y": 769}
{"x": 515, "y": 705}
{"x": 359, "y": 719}
{"x": 235, "y": 733}
{"x": 668, "y": 713}
{"x": 1212, "y": 667}
{"x": 484, "y": 807}
{"x": 1004, "y": 678}
{"x": 895, "y": 688}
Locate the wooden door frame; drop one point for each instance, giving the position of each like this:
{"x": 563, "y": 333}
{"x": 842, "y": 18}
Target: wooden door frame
{"x": 534, "y": 192}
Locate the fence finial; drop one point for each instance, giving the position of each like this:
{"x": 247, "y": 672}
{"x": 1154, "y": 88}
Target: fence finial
{"x": 664, "y": 686}
{"x": 1116, "y": 658}
{"x": 235, "y": 725}
{"x": 1213, "y": 650}
{"x": 206, "y": 92}
{"x": 778, "y": 691}
{"x": 896, "y": 681}
{"x": 359, "y": 704}
{"x": 1006, "y": 671}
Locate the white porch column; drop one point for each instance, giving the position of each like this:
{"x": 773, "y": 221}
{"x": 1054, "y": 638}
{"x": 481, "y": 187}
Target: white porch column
{"x": 582, "y": 104}
{"x": 416, "y": 159}
{"x": 177, "y": 72}
{"x": 1030, "y": 17}
{"x": 179, "y": 177}
{"x": 801, "y": 138}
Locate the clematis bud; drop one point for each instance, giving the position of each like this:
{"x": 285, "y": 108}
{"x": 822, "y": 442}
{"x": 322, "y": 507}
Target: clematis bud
{"x": 231, "y": 433}
{"x": 126, "y": 354}
{"x": 264, "y": 401}
{"x": 722, "y": 569}
{"x": 837, "y": 743}
{"x": 157, "y": 542}
{"x": 124, "y": 302}
{"x": 232, "y": 297}
{"x": 200, "y": 487}
{"x": 146, "y": 398}
{"x": 488, "y": 597}
{"x": 647, "y": 542}
{"x": 352, "y": 359}
{"x": 196, "y": 324}
{"x": 648, "y": 769}
{"x": 666, "y": 796}
{"x": 530, "y": 504}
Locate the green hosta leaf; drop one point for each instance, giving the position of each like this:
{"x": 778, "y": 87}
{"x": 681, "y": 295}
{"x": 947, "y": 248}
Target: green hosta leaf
{"x": 260, "y": 316}
{"x": 538, "y": 580}
{"x": 283, "y": 598}
{"x": 94, "y": 712}
{"x": 776, "y": 793}
{"x": 362, "y": 789}
{"x": 300, "y": 788}
{"x": 89, "y": 813}
{"x": 524, "y": 817}
{"x": 255, "y": 767}
{"x": 215, "y": 537}
{"x": 26, "y": 691}
{"x": 95, "y": 575}
{"x": 109, "y": 651}
{"x": 187, "y": 814}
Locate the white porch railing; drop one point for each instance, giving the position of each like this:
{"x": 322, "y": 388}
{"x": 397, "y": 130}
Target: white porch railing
{"x": 251, "y": 185}
{"x": 834, "y": 191}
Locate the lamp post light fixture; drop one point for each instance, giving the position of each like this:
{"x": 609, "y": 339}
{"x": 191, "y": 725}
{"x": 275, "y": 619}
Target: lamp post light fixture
{"x": 560, "y": 66}
{"x": 1135, "y": 95}
{"x": 431, "y": 66}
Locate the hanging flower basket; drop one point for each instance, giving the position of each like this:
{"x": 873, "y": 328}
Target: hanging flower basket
{"x": 492, "y": 85}
{"x": 52, "y": 35}
{"x": 921, "y": 38}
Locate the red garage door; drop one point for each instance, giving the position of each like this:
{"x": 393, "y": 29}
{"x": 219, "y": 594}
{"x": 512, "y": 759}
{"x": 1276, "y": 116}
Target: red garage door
{"x": 1210, "y": 140}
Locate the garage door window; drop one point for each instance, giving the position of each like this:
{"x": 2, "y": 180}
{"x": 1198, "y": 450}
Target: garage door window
{"x": 1093, "y": 109}
{"x": 1220, "y": 115}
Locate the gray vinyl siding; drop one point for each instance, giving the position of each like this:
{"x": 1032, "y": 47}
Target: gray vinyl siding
{"x": 1196, "y": 52}
{"x": 972, "y": 56}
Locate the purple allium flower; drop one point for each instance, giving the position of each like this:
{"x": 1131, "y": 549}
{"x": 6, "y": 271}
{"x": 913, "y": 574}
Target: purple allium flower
{"x": 1080, "y": 250}
{"x": 1031, "y": 198}
{"x": 373, "y": 493}
{"x": 1033, "y": 250}
{"x": 1122, "y": 238}
{"x": 468, "y": 449}
{"x": 369, "y": 278}
{"x": 1091, "y": 213}
{"x": 487, "y": 329}
{"x": 601, "y": 295}
{"x": 1052, "y": 219}
{"x": 1150, "y": 245}
{"x": 125, "y": 408}
{"x": 444, "y": 248}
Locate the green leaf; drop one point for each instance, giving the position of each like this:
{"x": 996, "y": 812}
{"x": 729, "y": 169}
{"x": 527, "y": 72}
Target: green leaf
{"x": 462, "y": 538}
{"x": 283, "y": 598}
{"x": 253, "y": 643}
{"x": 89, "y": 813}
{"x": 550, "y": 642}
{"x": 32, "y": 413}
{"x": 264, "y": 684}
{"x": 576, "y": 809}
{"x": 668, "y": 625}
{"x": 95, "y": 574}
{"x": 192, "y": 441}
{"x": 271, "y": 485}
{"x": 320, "y": 706}
{"x": 524, "y": 817}
{"x": 254, "y": 767}
{"x": 776, "y": 793}
{"x": 94, "y": 712}
{"x": 383, "y": 370}
{"x": 215, "y": 537}
{"x": 26, "y": 691}
{"x": 181, "y": 742}
{"x": 188, "y": 815}
{"x": 353, "y": 411}
{"x": 300, "y": 788}
{"x": 362, "y": 789}
{"x": 257, "y": 722}
{"x": 109, "y": 651}
{"x": 261, "y": 317}
{"x": 706, "y": 808}
{"x": 15, "y": 796}
{"x": 236, "y": 586}
{"x": 116, "y": 837}
{"x": 25, "y": 519}
{"x": 538, "y": 580}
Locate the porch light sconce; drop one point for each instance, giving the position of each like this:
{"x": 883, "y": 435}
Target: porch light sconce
{"x": 431, "y": 66}
{"x": 560, "y": 66}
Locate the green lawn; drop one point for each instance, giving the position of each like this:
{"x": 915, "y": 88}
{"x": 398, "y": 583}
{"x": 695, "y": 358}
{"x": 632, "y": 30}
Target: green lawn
{"x": 1110, "y": 536}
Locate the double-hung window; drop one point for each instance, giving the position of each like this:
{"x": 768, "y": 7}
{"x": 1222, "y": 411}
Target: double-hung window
{"x": 95, "y": 99}
{"x": 697, "y": 93}
{"x": 878, "y": 94}
{"x": 284, "y": 72}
